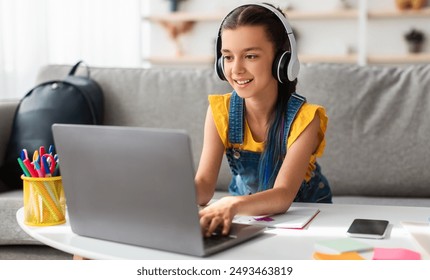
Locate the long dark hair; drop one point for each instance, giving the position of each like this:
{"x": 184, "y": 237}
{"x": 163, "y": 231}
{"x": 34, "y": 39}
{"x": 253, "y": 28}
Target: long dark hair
{"x": 272, "y": 157}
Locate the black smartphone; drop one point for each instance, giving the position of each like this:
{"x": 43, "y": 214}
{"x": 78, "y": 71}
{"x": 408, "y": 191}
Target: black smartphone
{"x": 368, "y": 228}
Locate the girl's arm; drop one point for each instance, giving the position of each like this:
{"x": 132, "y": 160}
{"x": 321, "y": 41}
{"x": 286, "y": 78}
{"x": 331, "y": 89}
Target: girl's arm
{"x": 210, "y": 161}
{"x": 275, "y": 200}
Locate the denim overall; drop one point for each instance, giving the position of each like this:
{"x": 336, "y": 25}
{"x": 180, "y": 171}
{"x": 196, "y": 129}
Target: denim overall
{"x": 244, "y": 164}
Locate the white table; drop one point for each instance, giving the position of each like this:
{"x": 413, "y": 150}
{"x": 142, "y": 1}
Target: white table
{"x": 332, "y": 222}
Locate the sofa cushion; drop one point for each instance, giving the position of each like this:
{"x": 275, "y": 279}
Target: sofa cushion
{"x": 10, "y": 232}
{"x": 377, "y": 131}
{"x": 379, "y": 127}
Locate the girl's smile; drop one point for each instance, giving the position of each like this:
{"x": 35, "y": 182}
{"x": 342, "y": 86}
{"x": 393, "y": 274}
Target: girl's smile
{"x": 243, "y": 82}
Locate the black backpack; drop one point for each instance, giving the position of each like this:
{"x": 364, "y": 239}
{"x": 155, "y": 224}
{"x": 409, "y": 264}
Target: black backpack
{"x": 74, "y": 100}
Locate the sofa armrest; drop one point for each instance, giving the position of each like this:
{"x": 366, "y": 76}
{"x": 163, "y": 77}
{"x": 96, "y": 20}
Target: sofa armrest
{"x": 7, "y": 112}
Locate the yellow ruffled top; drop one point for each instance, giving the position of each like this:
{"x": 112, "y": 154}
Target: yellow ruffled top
{"x": 220, "y": 107}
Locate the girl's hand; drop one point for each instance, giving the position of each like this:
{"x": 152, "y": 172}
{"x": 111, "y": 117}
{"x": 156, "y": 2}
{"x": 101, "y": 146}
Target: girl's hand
{"x": 218, "y": 215}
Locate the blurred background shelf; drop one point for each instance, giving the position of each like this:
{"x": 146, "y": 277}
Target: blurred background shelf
{"x": 341, "y": 35}
{"x": 202, "y": 59}
{"x": 292, "y": 15}
{"x": 312, "y": 58}
{"x": 399, "y": 59}
{"x": 185, "y": 16}
{"x": 322, "y": 15}
{"x": 395, "y": 14}
{"x": 181, "y": 60}
{"x": 304, "y": 58}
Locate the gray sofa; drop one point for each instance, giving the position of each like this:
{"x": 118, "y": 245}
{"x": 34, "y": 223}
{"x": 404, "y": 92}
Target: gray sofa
{"x": 379, "y": 125}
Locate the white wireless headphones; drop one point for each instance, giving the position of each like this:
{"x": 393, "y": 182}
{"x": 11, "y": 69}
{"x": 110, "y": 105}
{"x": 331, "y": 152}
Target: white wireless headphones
{"x": 286, "y": 64}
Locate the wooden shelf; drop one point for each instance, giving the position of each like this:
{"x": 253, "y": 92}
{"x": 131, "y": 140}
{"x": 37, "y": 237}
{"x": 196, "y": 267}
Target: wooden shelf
{"x": 425, "y": 12}
{"x": 399, "y": 59}
{"x": 184, "y": 59}
{"x": 292, "y": 15}
{"x": 189, "y": 59}
{"x": 183, "y": 16}
{"x": 349, "y": 58}
{"x": 304, "y": 58}
{"x": 297, "y": 15}
{"x": 335, "y": 14}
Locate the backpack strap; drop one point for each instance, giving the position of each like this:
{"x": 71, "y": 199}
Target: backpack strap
{"x": 75, "y": 67}
{"x": 82, "y": 84}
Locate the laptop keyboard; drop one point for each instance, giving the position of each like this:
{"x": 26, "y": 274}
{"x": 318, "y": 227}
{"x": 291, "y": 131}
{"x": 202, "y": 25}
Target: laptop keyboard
{"x": 216, "y": 239}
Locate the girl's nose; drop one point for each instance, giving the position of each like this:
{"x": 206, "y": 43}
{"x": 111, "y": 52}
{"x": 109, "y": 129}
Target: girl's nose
{"x": 238, "y": 67}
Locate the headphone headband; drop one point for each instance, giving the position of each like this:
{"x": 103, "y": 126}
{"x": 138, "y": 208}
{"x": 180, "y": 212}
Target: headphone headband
{"x": 293, "y": 64}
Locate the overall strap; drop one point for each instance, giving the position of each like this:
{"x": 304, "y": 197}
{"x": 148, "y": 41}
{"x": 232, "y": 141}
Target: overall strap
{"x": 294, "y": 104}
{"x": 236, "y": 119}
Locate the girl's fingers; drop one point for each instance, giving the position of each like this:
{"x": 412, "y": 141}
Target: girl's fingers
{"x": 210, "y": 223}
{"x": 214, "y": 224}
{"x": 226, "y": 226}
{"x": 204, "y": 223}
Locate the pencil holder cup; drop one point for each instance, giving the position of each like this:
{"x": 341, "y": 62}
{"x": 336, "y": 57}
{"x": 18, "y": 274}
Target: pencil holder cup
{"x": 44, "y": 201}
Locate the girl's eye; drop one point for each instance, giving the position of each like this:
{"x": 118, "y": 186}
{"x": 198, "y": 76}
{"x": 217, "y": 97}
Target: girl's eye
{"x": 227, "y": 57}
{"x": 251, "y": 56}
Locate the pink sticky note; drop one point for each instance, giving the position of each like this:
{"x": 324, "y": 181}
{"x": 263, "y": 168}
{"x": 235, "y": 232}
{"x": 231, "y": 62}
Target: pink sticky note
{"x": 395, "y": 254}
{"x": 265, "y": 219}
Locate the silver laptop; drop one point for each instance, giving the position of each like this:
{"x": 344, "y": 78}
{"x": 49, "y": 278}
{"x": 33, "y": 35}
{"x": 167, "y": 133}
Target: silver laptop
{"x": 136, "y": 186}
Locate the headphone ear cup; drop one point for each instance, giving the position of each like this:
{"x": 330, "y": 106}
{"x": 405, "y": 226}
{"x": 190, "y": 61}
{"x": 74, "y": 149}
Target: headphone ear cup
{"x": 280, "y": 66}
{"x": 220, "y": 68}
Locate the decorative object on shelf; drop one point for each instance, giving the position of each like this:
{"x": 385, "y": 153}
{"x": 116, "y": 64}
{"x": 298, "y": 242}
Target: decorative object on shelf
{"x": 286, "y": 6}
{"x": 175, "y": 29}
{"x": 174, "y": 5}
{"x": 352, "y": 50}
{"x": 415, "y": 39}
{"x": 410, "y": 4}
{"x": 343, "y": 4}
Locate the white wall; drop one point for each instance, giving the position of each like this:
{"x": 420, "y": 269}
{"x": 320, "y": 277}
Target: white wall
{"x": 34, "y": 33}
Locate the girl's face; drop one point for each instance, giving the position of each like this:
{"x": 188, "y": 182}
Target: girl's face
{"x": 248, "y": 58}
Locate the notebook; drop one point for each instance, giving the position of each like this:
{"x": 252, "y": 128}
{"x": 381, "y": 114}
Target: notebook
{"x": 295, "y": 218}
{"x": 135, "y": 186}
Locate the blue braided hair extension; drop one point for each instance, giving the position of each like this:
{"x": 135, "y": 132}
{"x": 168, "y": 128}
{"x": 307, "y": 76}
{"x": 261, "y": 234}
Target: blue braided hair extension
{"x": 271, "y": 159}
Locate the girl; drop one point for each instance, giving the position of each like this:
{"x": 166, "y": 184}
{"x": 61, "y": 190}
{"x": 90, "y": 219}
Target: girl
{"x": 270, "y": 135}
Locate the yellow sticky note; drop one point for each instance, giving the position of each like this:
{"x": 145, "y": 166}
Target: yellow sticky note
{"x": 343, "y": 256}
